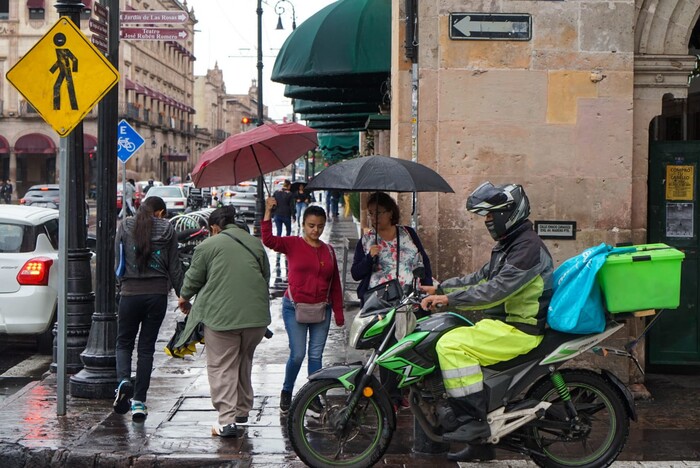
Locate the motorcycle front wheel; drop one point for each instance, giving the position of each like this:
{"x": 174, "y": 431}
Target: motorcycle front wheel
{"x": 316, "y": 432}
{"x": 595, "y": 440}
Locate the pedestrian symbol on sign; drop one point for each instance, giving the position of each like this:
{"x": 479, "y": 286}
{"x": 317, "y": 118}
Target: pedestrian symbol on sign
{"x": 66, "y": 64}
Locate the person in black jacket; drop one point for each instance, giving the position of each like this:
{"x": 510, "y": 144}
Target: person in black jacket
{"x": 285, "y": 208}
{"x": 148, "y": 264}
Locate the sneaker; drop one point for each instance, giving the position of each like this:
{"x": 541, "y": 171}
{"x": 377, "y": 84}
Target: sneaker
{"x": 241, "y": 420}
{"x": 285, "y": 401}
{"x": 139, "y": 411}
{"x": 315, "y": 407}
{"x": 122, "y": 397}
{"x": 229, "y": 430}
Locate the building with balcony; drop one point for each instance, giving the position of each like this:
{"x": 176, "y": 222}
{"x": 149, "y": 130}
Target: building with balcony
{"x": 155, "y": 95}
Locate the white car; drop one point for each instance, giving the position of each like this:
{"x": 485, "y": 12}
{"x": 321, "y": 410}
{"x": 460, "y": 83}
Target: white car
{"x": 29, "y": 272}
{"x": 173, "y": 196}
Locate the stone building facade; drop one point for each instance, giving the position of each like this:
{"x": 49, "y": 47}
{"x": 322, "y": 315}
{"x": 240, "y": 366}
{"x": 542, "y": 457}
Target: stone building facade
{"x": 155, "y": 93}
{"x": 567, "y": 113}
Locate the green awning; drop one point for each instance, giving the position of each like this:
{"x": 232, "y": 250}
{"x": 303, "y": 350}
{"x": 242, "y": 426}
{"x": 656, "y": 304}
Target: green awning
{"x": 372, "y": 93}
{"x": 346, "y": 44}
{"x": 302, "y": 106}
{"x": 358, "y": 117}
{"x": 337, "y": 146}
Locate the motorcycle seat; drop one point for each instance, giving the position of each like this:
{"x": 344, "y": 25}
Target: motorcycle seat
{"x": 552, "y": 339}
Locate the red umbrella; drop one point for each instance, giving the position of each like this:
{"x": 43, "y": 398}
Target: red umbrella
{"x": 244, "y": 156}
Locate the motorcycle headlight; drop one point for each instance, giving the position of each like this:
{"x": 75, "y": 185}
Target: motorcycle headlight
{"x": 359, "y": 325}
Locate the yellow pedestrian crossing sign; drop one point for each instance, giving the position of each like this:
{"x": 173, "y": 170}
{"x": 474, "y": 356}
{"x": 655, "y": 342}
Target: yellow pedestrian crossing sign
{"x": 63, "y": 76}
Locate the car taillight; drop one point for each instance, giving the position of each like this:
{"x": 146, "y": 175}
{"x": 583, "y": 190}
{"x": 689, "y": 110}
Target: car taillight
{"x": 35, "y": 272}
{"x": 229, "y": 194}
{"x": 22, "y": 201}
{"x": 179, "y": 203}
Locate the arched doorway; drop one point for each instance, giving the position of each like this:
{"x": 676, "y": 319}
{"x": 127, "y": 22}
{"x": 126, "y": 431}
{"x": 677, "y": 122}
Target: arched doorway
{"x": 36, "y": 161}
{"x": 667, "y": 153}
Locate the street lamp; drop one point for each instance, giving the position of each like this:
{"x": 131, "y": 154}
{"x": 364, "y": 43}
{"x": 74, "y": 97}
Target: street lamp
{"x": 279, "y": 9}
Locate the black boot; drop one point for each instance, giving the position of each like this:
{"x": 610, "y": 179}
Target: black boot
{"x": 471, "y": 412}
{"x": 481, "y": 452}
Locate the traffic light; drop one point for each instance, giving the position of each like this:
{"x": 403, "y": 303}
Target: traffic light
{"x": 247, "y": 121}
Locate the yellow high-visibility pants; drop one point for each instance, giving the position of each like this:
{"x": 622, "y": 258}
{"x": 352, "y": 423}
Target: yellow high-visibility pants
{"x": 464, "y": 350}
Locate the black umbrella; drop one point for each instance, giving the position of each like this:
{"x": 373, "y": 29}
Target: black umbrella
{"x": 375, "y": 173}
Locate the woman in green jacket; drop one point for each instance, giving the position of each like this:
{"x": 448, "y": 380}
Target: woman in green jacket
{"x": 229, "y": 275}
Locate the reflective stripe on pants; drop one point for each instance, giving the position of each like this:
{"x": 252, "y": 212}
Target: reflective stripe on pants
{"x": 464, "y": 350}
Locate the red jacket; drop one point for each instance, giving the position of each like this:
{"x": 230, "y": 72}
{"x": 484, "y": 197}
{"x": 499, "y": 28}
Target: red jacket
{"x": 311, "y": 270}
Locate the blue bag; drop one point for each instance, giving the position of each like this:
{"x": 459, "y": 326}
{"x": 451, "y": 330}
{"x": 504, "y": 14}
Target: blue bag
{"x": 121, "y": 268}
{"x": 577, "y": 303}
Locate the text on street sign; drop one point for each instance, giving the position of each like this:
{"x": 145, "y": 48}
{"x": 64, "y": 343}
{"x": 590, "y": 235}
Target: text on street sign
{"x": 556, "y": 229}
{"x": 101, "y": 11}
{"x": 153, "y": 34}
{"x": 63, "y": 76}
{"x": 98, "y": 27}
{"x": 146, "y": 16}
{"x": 490, "y": 26}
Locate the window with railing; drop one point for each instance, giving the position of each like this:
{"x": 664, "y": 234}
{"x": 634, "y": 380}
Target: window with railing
{"x": 160, "y": 119}
{"x": 147, "y": 115}
{"x": 132, "y": 111}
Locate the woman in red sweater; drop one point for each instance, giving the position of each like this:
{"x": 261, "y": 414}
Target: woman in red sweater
{"x": 313, "y": 277}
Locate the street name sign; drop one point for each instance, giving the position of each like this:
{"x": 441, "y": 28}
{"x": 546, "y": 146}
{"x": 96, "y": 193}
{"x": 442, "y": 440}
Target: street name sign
{"x": 98, "y": 27}
{"x": 101, "y": 11}
{"x": 154, "y": 34}
{"x": 63, "y": 76}
{"x": 491, "y": 26}
{"x": 128, "y": 141}
{"x": 146, "y": 16}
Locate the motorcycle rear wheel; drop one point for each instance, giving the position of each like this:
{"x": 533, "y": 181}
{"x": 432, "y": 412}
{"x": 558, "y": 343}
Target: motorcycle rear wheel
{"x": 604, "y": 423}
{"x": 316, "y": 440}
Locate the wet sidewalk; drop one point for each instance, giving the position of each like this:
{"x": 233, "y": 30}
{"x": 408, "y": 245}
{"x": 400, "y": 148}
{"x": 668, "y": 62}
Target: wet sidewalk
{"x": 177, "y": 431}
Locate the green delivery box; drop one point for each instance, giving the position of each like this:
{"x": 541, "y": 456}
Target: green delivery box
{"x": 649, "y": 278}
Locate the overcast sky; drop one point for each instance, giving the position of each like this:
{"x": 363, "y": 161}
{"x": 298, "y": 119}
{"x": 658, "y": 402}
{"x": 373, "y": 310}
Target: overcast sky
{"x": 226, "y": 33}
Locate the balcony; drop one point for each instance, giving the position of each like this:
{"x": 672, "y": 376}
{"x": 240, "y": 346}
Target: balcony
{"x": 132, "y": 112}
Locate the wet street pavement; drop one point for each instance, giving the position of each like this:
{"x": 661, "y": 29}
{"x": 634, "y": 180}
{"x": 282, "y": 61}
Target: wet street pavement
{"x": 177, "y": 431}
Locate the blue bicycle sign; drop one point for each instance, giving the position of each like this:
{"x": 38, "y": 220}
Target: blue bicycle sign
{"x": 128, "y": 141}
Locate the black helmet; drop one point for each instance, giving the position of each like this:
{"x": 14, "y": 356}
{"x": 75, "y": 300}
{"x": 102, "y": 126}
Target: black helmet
{"x": 507, "y": 203}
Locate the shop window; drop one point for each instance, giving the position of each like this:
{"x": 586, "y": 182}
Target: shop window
{"x": 36, "y": 13}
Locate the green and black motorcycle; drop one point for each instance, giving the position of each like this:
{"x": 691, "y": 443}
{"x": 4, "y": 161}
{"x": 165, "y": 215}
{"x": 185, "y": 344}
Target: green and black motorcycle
{"x": 560, "y": 418}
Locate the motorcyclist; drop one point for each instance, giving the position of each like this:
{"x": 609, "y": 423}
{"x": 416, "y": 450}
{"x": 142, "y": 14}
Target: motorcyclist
{"x": 513, "y": 289}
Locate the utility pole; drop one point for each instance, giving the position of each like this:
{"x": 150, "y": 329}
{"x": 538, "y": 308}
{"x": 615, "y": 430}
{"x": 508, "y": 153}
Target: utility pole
{"x": 259, "y": 202}
{"x": 99, "y": 376}
{"x": 79, "y": 300}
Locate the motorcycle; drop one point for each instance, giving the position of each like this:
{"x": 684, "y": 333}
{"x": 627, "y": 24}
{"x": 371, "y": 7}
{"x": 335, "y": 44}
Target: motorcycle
{"x": 343, "y": 416}
{"x": 187, "y": 240}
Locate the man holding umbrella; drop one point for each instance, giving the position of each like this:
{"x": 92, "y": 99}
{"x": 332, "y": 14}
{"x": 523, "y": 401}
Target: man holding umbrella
{"x": 285, "y": 209}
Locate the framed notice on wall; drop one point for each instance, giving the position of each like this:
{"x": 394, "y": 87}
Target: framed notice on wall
{"x": 679, "y": 220}
{"x": 680, "y": 182}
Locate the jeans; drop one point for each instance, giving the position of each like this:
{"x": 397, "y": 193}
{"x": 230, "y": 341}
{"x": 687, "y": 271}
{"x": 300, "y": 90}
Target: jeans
{"x": 301, "y": 207}
{"x": 334, "y": 206}
{"x": 146, "y": 311}
{"x": 318, "y": 333}
{"x": 287, "y": 221}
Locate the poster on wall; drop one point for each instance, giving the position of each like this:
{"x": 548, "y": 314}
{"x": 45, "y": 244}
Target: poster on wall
{"x": 679, "y": 220}
{"x": 679, "y": 182}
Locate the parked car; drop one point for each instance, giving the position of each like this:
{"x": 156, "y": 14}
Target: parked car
{"x": 242, "y": 196}
{"x": 47, "y": 196}
{"x": 173, "y": 196}
{"x": 28, "y": 272}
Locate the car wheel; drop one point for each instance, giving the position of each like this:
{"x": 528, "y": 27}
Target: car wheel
{"x": 44, "y": 340}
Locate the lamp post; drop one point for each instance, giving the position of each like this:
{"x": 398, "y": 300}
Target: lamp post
{"x": 259, "y": 204}
{"x": 279, "y": 9}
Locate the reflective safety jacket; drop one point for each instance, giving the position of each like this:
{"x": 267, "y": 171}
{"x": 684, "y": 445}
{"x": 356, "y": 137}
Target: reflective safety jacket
{"x": 515, "y": 286}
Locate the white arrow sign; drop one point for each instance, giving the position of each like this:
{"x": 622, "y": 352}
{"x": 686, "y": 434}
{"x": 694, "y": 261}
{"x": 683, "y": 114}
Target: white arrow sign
{"x": 490, "y": 26}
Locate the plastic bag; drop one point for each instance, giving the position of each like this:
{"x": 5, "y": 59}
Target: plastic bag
{"x": 577, "y": 304}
